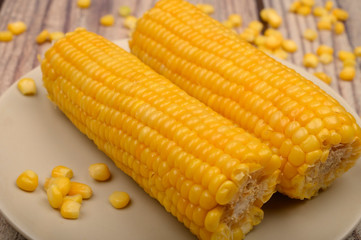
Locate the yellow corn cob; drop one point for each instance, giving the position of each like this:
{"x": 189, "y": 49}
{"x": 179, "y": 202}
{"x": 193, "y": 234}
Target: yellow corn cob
{"x": 317, "y": 139}
{"x": 210, "y": 174}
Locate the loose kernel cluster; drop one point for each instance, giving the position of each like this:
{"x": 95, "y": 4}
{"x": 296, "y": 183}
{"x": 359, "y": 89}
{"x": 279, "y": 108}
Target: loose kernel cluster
{"x": 14, "y": 28}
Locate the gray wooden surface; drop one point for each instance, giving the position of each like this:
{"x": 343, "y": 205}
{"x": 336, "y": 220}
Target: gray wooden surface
{"x": 20, "y": 55}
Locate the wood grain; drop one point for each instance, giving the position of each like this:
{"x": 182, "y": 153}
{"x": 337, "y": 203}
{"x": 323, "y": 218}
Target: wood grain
{"x": 20, "y": 55}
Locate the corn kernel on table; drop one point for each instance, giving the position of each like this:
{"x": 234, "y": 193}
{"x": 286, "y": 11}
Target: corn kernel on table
{"x": 20, "y": 55}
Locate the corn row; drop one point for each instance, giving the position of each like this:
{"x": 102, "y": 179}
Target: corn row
{"x": 210, "y": 174}
{"x": 312, "y": 133}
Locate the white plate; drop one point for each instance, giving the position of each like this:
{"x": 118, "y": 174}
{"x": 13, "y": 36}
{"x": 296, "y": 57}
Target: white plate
{"x": 36, "y": 135}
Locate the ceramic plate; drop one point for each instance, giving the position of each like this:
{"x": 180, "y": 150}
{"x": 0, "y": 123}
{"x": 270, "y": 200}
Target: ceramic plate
{"x": 35, "y": 135}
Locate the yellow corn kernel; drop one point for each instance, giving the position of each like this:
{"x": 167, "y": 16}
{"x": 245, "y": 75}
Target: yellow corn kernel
{"x": 280, "y": 53}
{"x": 248, "y": 35}
{"x": 289, "y": 45}
{"x": 349, "y": 63}
{"x": 260, "y": 40}
{"x": 213, "y": 219}
{"x": 322, "y": 49}
{"x": 310, "y": 34}
{"x": 323, "y": 76}
{"x": 99, "y": 171}
{"x": 55, "y": 197}
{"x": 6, "y": 36}
{"x": 326, "y": 58}
{"x": 272, "y": 42}
{"x": 107, "y": 20}
{"x": 339, "y": 28}
{"x": 63, "y": 183}
{"x": 62, "y": 171}
{"x": 325, "y": 23}
{"x": 80, "y": 188}
{"x": 124, "y": 11}
{"x": 55, "y": 36}
{"x": 119, "y": 199}
{"x": 27, "y": 181}
{"x": 83, "y": 3}
{"x": 227, "y": 24}
{"x": 303, "y": 10}
{"x": 130, "y": 22}
{"x": 206, "y": 8}
{"x": 43, "y": 37}
{"x": 328, "y": 5}
{"x": 273, "y": 32}
{"x": 256, "y": 25}
{"x": 347, "y": 73}
{"x": 340, "y": 14}
{"x": 319, "y": 11}
{"x": 294, "y": 6}
{"x": 27, "y": 86}
{"x": 357, "y": 51}
{"x": 70, "y": 209}
{"x": 76, "y": 198}
{"x": 270, "y": 16}
{"x": 235, "y": 19}
{"x": 308, "y": 3}
{"x": 344, "y": 55}
{"x": 17, "y": 27}
{"x": 310, "y": 60}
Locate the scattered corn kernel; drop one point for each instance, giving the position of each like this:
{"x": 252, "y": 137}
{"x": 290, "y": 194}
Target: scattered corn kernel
{"x": 63, "y": 183}
{"x": 70, "y": 210}
{"x": 289, "y": 45}
{"x": 84, "y": 3}
{"x": 310, "y": 60}
{"x": 348, "y": 73}
{"x": 124, "y": 11}
{"x": 357, "y": 51}
{"x": 309, "y": 3}
{"x": 27, "y": 86}
{"x": 328, "y": 5}
{"x": 319, "y": 11}
{"x": 107, "y": 20}
{"x": 80, "y": 188}
{"x": 227, "y": 24}
{"x": 270, "y": 16}
{"x": 6, "y": 36}
{"x": 349, "y": 63}
{"x": 130, "y": 22}
{"x": 323, "y": 76}
{"x": 55, "y": 197}
{"x": 325, "y": 23}
{"x": 310, "y": 34}
{"x": 256, "y": 25}
{"x": 27, "y": 181}
{"x": 340, "y": 14}
{"x": 343, "y": 55}
{"x": 17, "y": 27}
{"x": 326, "y": 58}
{"x": 273, "y": 32}
{"x": 99, "y": 171}
{"x": 76, "y": 198}
{"x": 294, "y": 6}
{"x": 61, "y": 171}
{"x": 119, "y": 199}
{"x": 273, "y": 42}
{"x": 249, "y": 35}
{"x": 260, "y": 40}
{"x": 280, "y": 53}
{"x": 339, "y": 28}
{"x": 322, "y": 49}
{"x": 235, "y": 19}
{"x": 206, "y": 8}
{"x": 54, "y": 36}
{"x": 303, "y": 10}
{"x": 43, "y": 37}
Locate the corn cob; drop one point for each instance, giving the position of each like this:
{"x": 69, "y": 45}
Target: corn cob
{"x": 312, "y": 133}
{"x": 210, "y": 174}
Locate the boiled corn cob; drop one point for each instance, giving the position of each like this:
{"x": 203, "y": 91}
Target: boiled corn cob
{"x": 314, "y": 135}
{"x": 210, "y": 174}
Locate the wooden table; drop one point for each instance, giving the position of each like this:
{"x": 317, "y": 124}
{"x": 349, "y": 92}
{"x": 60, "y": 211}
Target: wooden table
{"x": 20, "y": 55}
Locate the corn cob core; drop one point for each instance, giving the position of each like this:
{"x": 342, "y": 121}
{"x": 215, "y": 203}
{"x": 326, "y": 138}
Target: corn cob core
{"x": 315, "y": 136}
{"x": 210, "y": 174}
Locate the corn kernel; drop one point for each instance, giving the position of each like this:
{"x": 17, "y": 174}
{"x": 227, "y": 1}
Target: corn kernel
{"x": 308, "y": 3}
{"x": 55, "y": 197}
{"x": 328, "y": 5}
{"x": 310, "y": 60}
{"x": 43, "y": 37}
{"x": 323, "y": 76}
{"x": 357, "y": 51}
{"x": 235, "y": 19}
{"x": 27, "y": 181}
{"x": 27, "y": 86}
{"x": 349, "y": 63}
{"x": 130, "y": 22}
{"x": 124, "y": 11}
{"x": 256, "y": 25}
{"x": 84, "y": 3}
{"x": 227, "y": 24}
{"x": 340, "y": 14}
{"x": 319, "y": 11}
{"x": 272, "y": 42}
{"x": 326, "y": 58}
{"x": 249, "y": 35}
{"x": 107, "y": 20}
{"x": 325, "y": 23}
{"x": 119, "y": 199}
{"x": 294, "y": 6}
{"x": 348, "y": 73}
{"x": 339, "y": 28}
{"x": 310, "y": 34}
{"x": 322, "y": 49}
{"x": 17, "y": 27}
{"x": 303, "y": 10}
{"x": 54, "y": 36}
{"x": 61, "y": 171}
{"x": 270, "y": 16}
{"x": 6, "y": 36}
{"x": 343, "y": 55}
{"x": 63, "y": 183}
{"x": 280, "y": 53}
{"x": 76, "y": 198}
{"x": 70, "y": 210}
{"x": 99, "y": 171}
{"x": 80, "y": 188}
{"x": 289, "y": 45}
{"x": 206, "y": 8}
{"x": 260, "y": 40}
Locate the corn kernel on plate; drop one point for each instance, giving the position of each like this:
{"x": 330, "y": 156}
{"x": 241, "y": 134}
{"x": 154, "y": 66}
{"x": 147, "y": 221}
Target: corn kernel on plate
{"x": 36, "y": 135}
